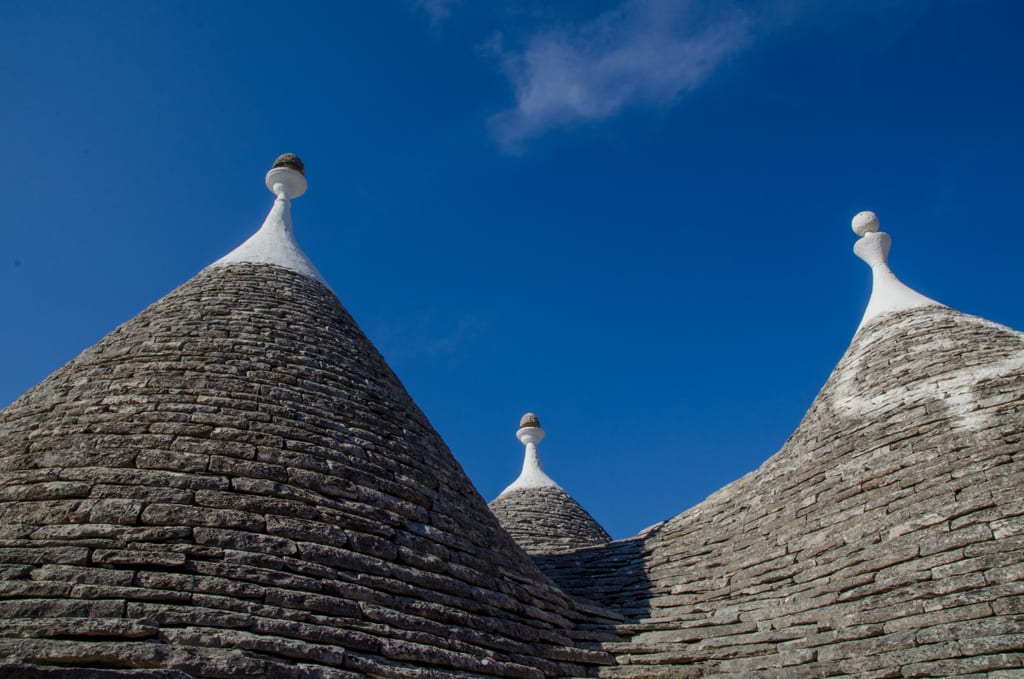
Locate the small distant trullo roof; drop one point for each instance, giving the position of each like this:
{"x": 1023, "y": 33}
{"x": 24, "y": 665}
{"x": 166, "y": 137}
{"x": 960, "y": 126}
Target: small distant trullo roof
{"x": 234, "y": 483}
{"x": 540, "y": 516}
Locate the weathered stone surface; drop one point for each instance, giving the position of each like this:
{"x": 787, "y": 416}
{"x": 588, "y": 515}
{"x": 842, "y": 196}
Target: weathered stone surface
{"x": 546, "y": 520}
{"x": 235, "y": 484}
{"x": 882, "y": 540}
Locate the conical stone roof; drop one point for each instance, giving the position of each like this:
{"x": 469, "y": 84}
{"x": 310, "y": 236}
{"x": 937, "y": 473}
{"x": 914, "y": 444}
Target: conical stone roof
{"x": 234, "y": 483}
{"x": 540, "y": 516}
{"x": 547, "y": 520}
{"x": 885, "y": 538}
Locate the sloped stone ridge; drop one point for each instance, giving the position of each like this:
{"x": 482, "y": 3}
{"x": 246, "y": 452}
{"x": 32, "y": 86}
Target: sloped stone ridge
{"x": 545, "y": 520}
{"x": 235, "y": 484}
{"x": 885, "y": 539}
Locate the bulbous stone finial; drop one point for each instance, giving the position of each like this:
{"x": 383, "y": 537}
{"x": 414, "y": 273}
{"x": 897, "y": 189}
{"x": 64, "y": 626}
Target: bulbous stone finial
{"x": 290, "y": 160}
{"x": 532, "y": 476}
{"x": 287, "y": 178}
{"x": 529, "y": 420}
{"x": 888, "y": 293}
{"x": 865, "y": 222}
{"x": 275, "y": 243}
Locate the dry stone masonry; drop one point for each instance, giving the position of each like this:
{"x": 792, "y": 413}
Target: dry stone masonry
{"x": 885, "y": 539}
{"x": 540, "y": 516}
{"x": 547, "y": 520}
{"x": 235, "y": 484}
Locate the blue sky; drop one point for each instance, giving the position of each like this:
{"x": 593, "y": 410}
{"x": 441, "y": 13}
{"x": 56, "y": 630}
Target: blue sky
{"x": 629, "y": 217}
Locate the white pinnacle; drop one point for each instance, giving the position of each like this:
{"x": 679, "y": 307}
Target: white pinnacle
{"x": 888, "y": 293}
{"x": 275, "y": 243}
{"x": 532, "y": 476}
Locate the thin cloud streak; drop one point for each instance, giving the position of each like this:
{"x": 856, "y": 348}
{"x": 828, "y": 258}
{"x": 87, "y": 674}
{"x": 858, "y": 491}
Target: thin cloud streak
{"x": 643, "y": 52}
{"x": 437, "y": 10}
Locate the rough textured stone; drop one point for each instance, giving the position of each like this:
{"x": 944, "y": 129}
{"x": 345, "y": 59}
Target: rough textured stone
{"x": 545, "y": 520}
{"x": 234, "y": 484}
{"x": 220, "y": 488}
{"x": 877, "y": 542}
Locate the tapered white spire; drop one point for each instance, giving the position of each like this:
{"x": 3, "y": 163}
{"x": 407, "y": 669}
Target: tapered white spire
{"x": 274, "y": 243}
{"x": 888, "y": 293}
{"x": 532, "y": 476}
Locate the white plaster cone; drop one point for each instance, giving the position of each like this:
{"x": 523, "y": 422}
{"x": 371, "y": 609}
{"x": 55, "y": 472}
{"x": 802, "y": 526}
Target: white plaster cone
{"x": 275, "y": 243}
{"x": 533, "y": 475}
{"x": 888, "y": 293}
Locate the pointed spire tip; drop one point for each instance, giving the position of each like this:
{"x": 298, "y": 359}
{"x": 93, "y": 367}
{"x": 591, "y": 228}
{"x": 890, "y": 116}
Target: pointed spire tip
{"x": 532, "y": 476}
{"x": 274, "y": 242}
{"x": 888, "y": 293}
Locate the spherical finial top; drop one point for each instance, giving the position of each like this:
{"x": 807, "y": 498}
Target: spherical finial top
{"x": 865, "y": 222}
{"x": 287, "y": 179}
{"x": 529, "y": 420}
{"x": 290, "y": 160}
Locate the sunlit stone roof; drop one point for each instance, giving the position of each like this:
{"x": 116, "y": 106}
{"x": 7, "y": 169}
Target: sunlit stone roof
{"x": 234, "y": 483}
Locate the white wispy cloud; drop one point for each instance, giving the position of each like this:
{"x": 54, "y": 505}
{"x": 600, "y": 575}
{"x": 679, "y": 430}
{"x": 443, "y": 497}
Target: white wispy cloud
{"x": 643, "y": 52}
{"x": 437, "y": 10}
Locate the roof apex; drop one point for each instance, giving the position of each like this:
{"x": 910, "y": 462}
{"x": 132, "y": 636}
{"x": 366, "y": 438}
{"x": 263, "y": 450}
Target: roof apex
{"x": 274, "y": 242}
{"x": 532, "y": 475}
{"x": 888, "y": 293}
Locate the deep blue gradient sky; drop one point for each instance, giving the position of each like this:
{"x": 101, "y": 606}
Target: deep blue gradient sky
{"x": 629, "y": 217}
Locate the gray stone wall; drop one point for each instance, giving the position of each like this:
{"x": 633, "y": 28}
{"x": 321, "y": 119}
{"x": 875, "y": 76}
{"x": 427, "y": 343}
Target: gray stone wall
{"x": 885, "y": 539}
{"x": 235, "y": 484}
{"x": 546, "y": 520}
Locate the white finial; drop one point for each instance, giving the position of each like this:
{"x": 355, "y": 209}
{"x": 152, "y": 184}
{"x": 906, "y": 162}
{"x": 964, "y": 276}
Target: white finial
{"x": 287, "y": 177}
{"x": 865, "y": 222}
{"x": 888, "y": 293}
{"x": 274, "y": 243}
{"x": 532, "y": 476}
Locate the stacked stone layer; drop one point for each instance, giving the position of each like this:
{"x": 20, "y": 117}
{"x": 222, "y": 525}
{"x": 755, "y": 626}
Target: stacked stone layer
{"x": 235, "y": 484}
{"x": 885, "y": 539}
{"x": 546, "y": 519}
